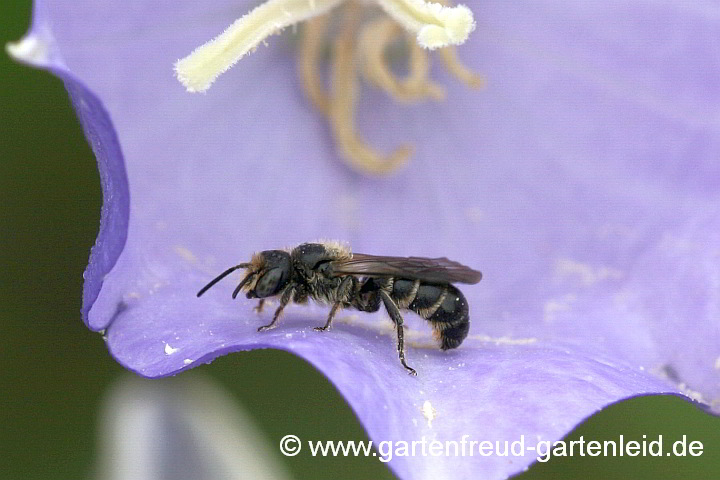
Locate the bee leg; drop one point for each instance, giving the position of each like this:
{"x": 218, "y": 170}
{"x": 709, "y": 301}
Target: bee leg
{"x": 343, "y": 291}
{"x": 394, "y": 313}
{"x": 259, "y": 307}
{"x": 333, "y": 310}
{"x": 284, "y": 300}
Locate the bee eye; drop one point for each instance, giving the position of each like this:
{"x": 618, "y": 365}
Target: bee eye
{"x": 270, "y": 283}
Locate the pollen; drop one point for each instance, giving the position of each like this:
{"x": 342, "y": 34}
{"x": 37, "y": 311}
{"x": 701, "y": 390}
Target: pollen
{"x": 356, "y": 39}
{"x": 428, "y": 412}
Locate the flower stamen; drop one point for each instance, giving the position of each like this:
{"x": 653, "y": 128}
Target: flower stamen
{"x": 374, "y": 40}
{"x": 311, "y": 49}
{"x": 199, "y": 70}
{"x": 342, "y": 108}
{"x": 460, "y": 71}
{"x": 435, "y": 24}
{"x": 360, "y": 44}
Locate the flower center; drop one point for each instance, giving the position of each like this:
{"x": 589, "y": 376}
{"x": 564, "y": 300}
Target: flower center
{"x": 360, "y": 45}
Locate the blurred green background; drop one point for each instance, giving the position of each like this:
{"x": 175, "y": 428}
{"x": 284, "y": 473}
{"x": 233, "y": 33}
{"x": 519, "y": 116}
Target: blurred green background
{"x": 55, "y": 371}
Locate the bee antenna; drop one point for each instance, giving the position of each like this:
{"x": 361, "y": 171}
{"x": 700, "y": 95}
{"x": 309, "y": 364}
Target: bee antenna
{"x": 220, "y": 277}
{"x": 242, "y": 284}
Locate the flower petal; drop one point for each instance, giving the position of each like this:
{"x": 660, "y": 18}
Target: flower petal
{"x": 39, "y": 49}
{"x": 583, "y": 183}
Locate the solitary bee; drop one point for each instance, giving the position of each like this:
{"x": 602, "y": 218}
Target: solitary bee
{"x": 330, "y": 274}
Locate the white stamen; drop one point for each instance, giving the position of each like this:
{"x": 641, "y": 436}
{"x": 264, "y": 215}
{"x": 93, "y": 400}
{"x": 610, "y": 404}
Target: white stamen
{"x": 199, "y": 70}
{"x": 436, "y": 25}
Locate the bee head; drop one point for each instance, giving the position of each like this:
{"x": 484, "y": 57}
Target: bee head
{"x": 272, "y": 269}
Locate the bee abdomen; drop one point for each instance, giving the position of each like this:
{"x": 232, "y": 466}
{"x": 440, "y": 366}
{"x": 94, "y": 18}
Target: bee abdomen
{"x": 404, "y": 291}
{"x": 451, "y": 319}
{"x": 427, "y": 298}
{"x": 444, "y": 306}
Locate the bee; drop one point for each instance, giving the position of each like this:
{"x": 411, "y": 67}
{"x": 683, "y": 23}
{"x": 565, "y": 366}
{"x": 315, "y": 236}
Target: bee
{"x": 330, "y": 274}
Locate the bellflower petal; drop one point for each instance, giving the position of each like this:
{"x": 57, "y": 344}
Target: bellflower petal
{"x": 583, "y": 182}
{"x": 39, "y": 49}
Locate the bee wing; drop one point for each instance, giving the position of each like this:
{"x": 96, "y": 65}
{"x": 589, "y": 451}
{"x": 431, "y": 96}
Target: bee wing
{"x": 438, "y": 270}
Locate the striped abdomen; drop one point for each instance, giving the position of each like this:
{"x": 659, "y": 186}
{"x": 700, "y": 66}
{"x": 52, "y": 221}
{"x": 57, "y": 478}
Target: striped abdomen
{"x": 443, "y": 305}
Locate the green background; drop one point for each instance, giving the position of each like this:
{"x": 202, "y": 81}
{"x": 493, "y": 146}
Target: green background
{"x": 54, "y": 371}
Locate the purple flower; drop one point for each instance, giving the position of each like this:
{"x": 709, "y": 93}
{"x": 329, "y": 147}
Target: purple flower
{"x": 583, "y": 182}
